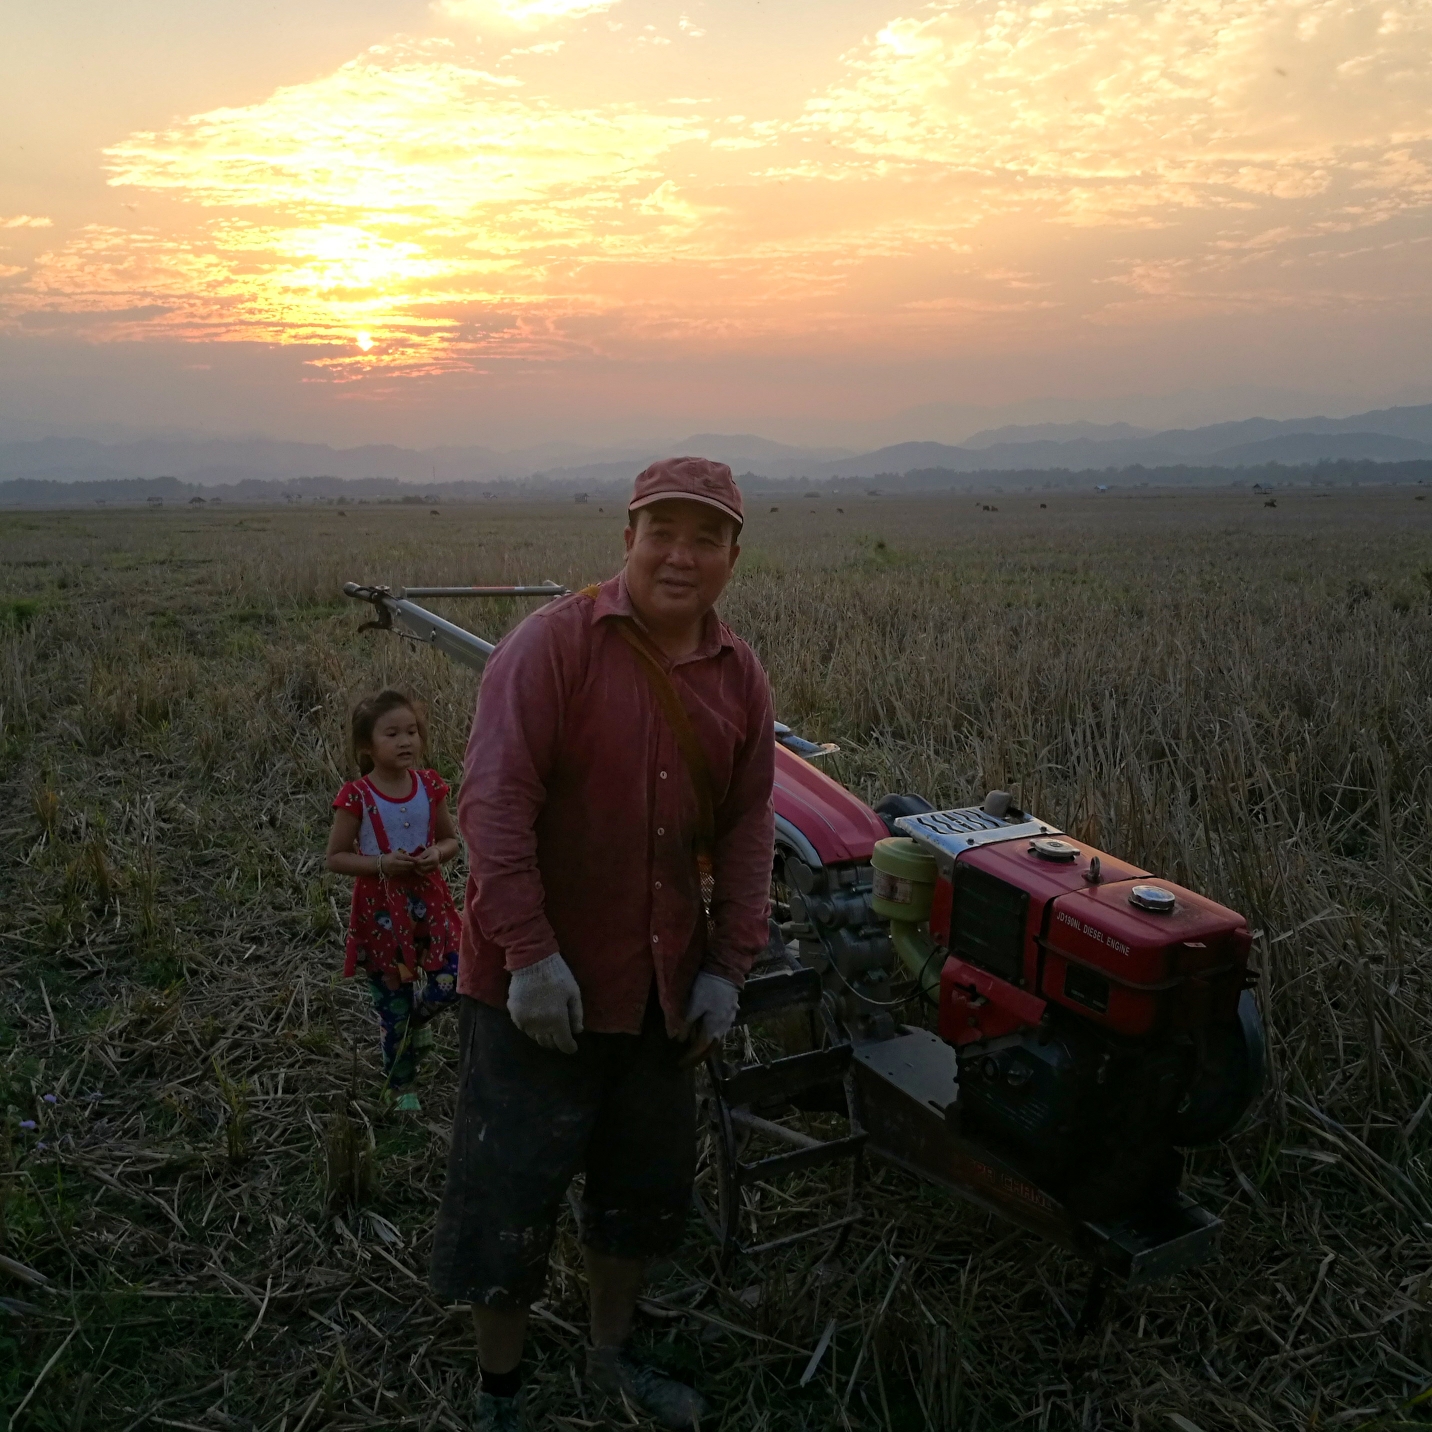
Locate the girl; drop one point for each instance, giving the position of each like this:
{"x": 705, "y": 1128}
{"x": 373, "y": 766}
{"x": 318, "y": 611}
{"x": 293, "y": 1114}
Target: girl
{"x": 392, "y": 830}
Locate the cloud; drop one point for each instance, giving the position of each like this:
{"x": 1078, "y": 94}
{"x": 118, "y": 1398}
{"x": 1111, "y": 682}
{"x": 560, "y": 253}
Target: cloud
{"x": 976, "y": 168}
{"x": 1206, "y": 148}
{"x": 396, "y": 132}
{"x": 407, "y": 194}
{"x": 1161, "y": 100}
{"x": 25, "y": 221}
{"x": 525, "y": 14}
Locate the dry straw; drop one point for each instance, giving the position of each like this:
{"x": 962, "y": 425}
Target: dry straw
{"x": 216, "y": 1228}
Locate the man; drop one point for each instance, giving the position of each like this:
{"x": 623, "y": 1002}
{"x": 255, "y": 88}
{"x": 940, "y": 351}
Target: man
{"x": 592, "y": 976}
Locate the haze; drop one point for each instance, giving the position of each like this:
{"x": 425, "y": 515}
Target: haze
{"x": 518, "y": 221}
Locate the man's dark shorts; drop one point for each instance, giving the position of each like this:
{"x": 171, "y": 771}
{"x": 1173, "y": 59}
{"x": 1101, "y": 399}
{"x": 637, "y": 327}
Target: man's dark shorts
{"x": 528, "y": 1119}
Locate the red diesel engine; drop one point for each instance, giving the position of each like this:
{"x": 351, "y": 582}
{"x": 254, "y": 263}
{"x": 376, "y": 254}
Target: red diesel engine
{"x": 1101, "y": 1015}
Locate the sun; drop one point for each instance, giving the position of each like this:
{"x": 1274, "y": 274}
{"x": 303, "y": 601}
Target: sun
{"x": 365, "y": 341}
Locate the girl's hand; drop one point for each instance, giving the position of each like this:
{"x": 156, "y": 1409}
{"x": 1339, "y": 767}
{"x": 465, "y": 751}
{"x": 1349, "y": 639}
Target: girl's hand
{"x": 427, "y": 859}
{"x": 399, "y": 863}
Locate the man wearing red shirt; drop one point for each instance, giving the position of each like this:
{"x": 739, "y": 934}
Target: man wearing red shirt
{"x": 593, "y": 974}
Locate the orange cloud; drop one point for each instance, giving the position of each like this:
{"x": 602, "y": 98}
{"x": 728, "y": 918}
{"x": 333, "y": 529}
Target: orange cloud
{"x": 526, "y": 14}
{"x": 973, "y": 167}
{"x": 1180, "y": 96}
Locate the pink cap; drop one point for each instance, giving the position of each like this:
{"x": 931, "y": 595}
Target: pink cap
{"x": 697, "y": 479}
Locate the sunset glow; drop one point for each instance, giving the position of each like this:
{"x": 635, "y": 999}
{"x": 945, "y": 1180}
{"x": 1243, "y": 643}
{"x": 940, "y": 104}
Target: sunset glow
{"x": 537, "y": 181}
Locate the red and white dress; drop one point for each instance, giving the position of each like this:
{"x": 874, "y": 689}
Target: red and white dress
{"x": 399, "y": 924}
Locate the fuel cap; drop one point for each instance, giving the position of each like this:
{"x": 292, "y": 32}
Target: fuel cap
{"x": 1152, "y": 897}
{"x": 1051, "y": 849}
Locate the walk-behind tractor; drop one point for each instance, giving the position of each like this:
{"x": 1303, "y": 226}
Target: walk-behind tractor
{"x": 1091, "y": 1019}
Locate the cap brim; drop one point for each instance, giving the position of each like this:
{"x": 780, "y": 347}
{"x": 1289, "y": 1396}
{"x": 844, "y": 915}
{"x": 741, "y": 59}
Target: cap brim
{"x": 682, "y": 496}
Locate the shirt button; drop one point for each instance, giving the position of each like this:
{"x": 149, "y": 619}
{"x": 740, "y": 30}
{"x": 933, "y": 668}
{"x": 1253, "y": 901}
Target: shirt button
{"x": 661, "y": 830}
{"x": 658, "y": 884}
{"x": 663, "y": 775}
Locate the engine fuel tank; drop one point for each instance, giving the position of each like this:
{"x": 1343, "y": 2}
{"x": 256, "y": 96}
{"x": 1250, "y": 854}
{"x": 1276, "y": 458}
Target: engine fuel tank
{"x": 1141, "y": 955}
{"x": 1045, "y": 919}
{"x": 990, "y": 911}
{"x": 981, "y": 880}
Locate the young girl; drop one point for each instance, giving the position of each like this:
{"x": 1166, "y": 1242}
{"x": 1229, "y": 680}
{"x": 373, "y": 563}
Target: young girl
{"x": 392, "y": 830}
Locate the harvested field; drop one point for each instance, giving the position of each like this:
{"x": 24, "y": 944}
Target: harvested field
{"x": 231, "y": 1236}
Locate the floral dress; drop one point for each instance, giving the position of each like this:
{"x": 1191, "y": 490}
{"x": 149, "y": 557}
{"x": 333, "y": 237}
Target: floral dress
{"x": 398, "y": 925}
{"x": 403, "y": 931}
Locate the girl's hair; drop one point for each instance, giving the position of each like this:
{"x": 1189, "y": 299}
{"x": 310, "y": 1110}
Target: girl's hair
{"x": 366, "y": 715}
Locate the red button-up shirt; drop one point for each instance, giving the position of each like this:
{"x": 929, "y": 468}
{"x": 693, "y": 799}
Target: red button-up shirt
{"x": 580, "y": 817}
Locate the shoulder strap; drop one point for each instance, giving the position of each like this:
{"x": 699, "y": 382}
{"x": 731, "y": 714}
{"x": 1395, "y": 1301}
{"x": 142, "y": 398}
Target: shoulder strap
{"x": 693, "y": 754}
{"x": 425, "y": 778}
{"x": 371, "y": 806}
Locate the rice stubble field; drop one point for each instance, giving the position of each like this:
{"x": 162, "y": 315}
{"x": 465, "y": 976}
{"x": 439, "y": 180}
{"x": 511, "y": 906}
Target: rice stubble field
{"x": 232, "y": 1235}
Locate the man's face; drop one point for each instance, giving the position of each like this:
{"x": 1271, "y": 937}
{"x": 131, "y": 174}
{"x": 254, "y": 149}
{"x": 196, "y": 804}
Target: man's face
{"x": 680, "y": 556}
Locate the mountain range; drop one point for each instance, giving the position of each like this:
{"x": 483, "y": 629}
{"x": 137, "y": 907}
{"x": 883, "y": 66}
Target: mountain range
{"x": 1386, "y": 435}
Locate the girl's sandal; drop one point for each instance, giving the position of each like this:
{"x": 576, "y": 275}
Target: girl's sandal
{"x": 394, "y": 1101}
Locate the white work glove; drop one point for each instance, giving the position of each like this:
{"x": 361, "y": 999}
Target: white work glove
{"x": 546, "y": 1004}
{"x": 710, "y": 1012}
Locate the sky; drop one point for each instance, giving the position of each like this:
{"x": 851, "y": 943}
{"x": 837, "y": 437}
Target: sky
{"x": 514, "y": 221}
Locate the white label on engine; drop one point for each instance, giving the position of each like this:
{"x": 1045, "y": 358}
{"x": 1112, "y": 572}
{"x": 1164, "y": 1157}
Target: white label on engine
{"x": 1118, "y": 946}
{"x": 893, "y": 888}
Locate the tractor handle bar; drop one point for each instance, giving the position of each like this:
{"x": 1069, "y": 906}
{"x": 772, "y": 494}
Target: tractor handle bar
{"x": 419, "y": 624}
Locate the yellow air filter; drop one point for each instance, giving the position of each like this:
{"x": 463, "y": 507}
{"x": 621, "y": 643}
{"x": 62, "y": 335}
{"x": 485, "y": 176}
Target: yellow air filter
{"x": 904, "y": 880}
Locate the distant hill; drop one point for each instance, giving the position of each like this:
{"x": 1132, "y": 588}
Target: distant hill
{"x": 170, "y": 491}
{"x": 1385, "y": 435}
{"x": 1324, "y": 447}
{"x": 1053, "y": 432}
{"x": 1388, "y": 435}
{"x": 216, "y": 461}
{"x": 741, "y": 451}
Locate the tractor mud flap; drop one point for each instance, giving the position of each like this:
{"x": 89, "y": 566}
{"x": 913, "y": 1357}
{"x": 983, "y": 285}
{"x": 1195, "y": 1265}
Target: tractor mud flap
{"x": 1157, "y": 1242}
{"x": 907, "y": 1098}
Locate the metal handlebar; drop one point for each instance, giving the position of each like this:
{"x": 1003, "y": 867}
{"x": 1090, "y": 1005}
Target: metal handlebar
{"x": 419, "y": 624}
{"x": 545, "y": 589}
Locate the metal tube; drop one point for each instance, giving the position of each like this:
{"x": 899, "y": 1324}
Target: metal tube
{"x": 547, "y": 589}
{"x": 451, "y": 640}
{"x": 917, "y": 953}
{"x": 758, "y": 1125}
